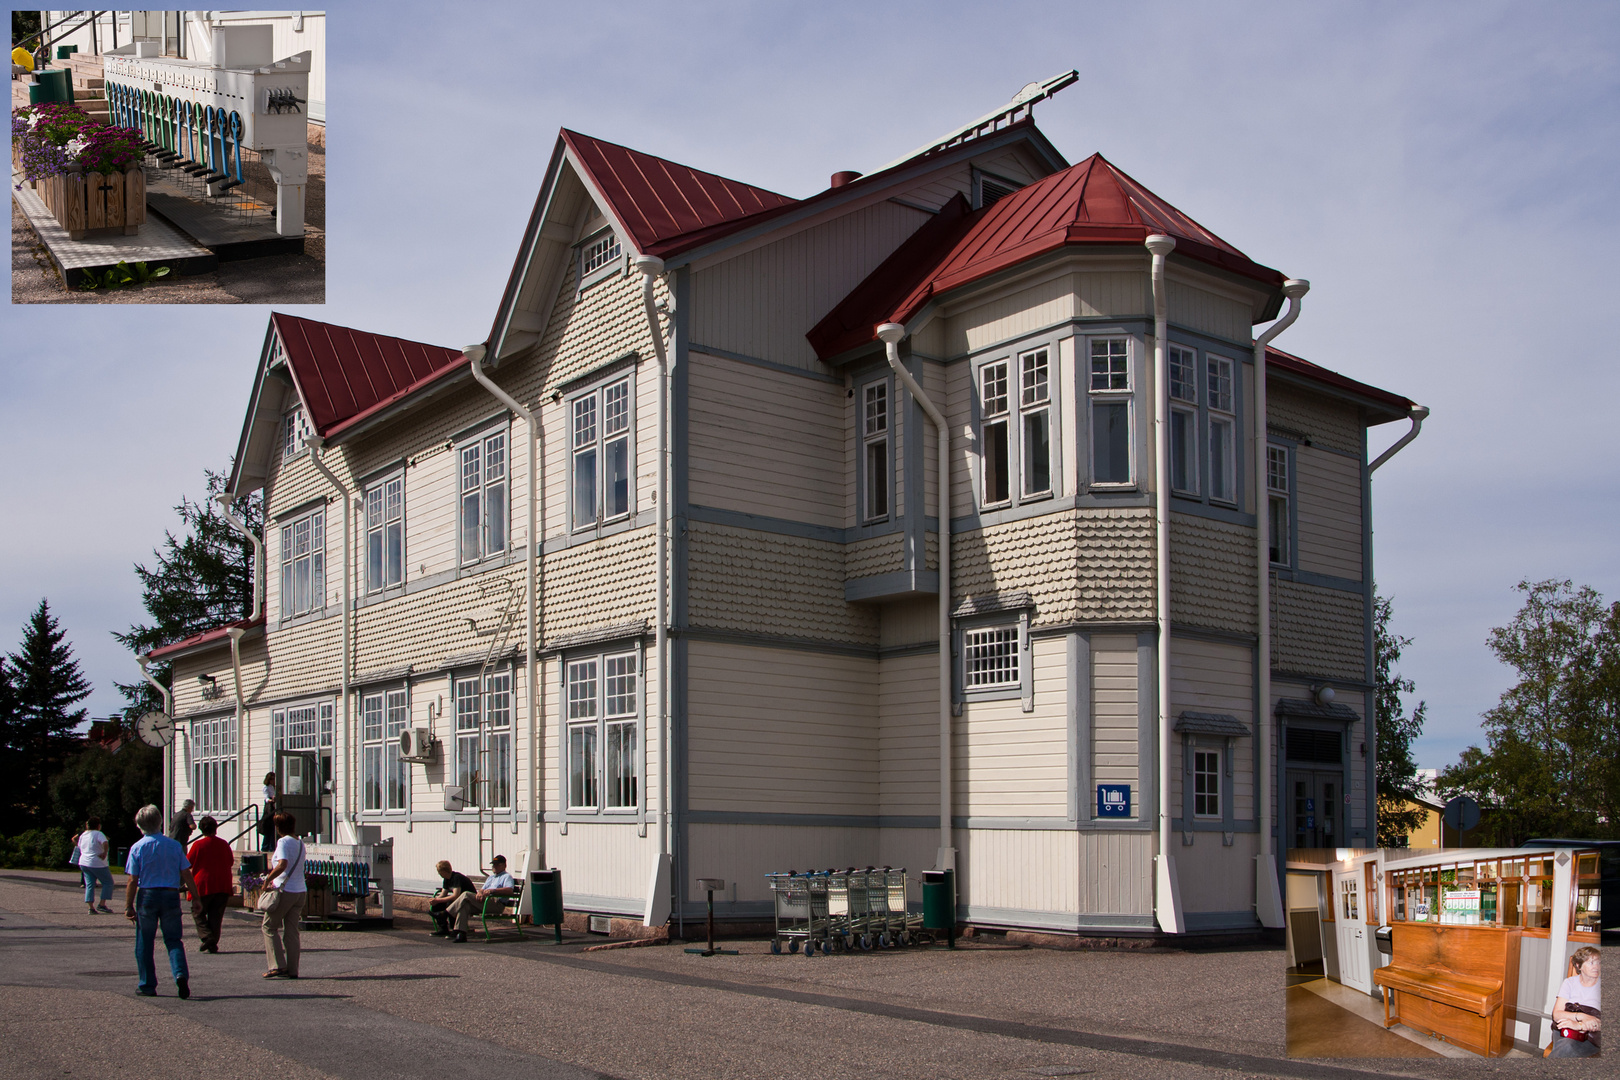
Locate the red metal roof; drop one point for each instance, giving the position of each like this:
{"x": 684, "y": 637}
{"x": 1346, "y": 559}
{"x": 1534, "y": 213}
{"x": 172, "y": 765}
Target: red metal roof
{"x": 218, "y": 635}
{"x": 348, "y": 375}
{"x": 1089, "y": 203}
{"x": 658, "y": 200}
{"x": 1315, "y": 372}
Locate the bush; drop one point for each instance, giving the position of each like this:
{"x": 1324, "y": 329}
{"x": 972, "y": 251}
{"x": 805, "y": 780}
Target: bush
{"x": 37, "y": 849}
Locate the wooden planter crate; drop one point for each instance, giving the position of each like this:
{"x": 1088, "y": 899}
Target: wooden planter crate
{"x": 84, "y": 201}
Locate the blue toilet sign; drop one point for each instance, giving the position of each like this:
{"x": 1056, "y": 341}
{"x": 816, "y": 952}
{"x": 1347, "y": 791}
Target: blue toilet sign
{"x": 1113, "y": 800}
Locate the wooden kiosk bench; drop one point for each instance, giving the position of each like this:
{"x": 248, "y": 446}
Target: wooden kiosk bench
{"x": 1459, "y": 984}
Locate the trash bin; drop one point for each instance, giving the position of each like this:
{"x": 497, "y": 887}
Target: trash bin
{"x": 65, "y": 51}
{"x": 1385, "y": 937}
{"x": 939, "y": 902}
{"x": 545, "y": 899}
{"x": 253, "y": 862}
{"x": 51, "y": 84}
{"x": 123, "y": 856}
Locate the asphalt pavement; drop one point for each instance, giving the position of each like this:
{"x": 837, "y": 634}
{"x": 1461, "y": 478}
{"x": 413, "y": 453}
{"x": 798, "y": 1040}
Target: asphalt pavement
{"x": 399, "y": 1003}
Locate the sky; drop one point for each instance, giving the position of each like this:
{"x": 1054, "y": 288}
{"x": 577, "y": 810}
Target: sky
{"x": 1443, "y": 173}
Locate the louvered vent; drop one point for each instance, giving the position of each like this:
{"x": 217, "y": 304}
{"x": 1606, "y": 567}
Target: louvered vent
{"x": 1306, "y": 744}
{"x": 990, "y": 192}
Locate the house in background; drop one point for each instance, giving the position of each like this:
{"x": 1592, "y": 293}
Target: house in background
{"x": 697, "y": 464}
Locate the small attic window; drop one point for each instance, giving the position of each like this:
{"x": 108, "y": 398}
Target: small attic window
{"x": 988, "y": 188}
{"x": 599, "y": 257}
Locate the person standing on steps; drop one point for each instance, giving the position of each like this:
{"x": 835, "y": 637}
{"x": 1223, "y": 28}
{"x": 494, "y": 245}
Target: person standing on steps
{"x": 280, "y": 925}
{"x": 92, "y": 847}
{"x": 184, "y": 824}
{"x": 211, "y": 860}
{"x": 157, "y": 866}
{"x": 267, "y": 814}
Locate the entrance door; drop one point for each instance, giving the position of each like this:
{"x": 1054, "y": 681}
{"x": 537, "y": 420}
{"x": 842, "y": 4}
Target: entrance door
{"x": 300, "y": 788}
{"x": 1313, "y": 801}
{"x": 1352, "y": 930}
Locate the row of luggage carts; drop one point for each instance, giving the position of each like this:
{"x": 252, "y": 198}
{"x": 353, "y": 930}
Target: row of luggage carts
{"x": 842, "y": 910}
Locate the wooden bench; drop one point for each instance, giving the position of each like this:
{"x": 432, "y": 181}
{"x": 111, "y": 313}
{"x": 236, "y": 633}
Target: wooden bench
{"x": 1456, "y": 983}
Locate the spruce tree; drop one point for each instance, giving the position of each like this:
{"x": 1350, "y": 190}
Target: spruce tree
{"x": 45, "y": 685}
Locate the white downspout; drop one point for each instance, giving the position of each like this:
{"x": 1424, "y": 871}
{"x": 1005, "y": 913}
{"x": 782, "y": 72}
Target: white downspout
{"x": 244, "y": 745}
{"x": 1267, "y": 893}
{"x": 1167, "y": 889}
{"x": 1418, "y": 414}
{"x": 317, "y": 446}
{"x": 651, "y": 267}
{"x": 475, "y": 356}
{"x": 891, "y": 334}
{"x": 168, "y": 758}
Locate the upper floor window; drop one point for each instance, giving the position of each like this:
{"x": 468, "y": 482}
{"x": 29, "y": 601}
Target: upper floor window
{"x": 1015, "y": 428}
{"x": 1110, "y": 393}
{"x": 1277, "y": 502}
{"x": 601, "y": 448}
{"x": 603, "y": 732}
{"x": 484, "y": 510}
{"x": 303, "y": 564}
{"x": 1183, "y": 420}
{"x": 877, "y": 472}
{"x": 294, "y": 432}
{"x": 599, "y": 257}
{"x": 1222, "y": 431}
{"x": 385, "y": 534}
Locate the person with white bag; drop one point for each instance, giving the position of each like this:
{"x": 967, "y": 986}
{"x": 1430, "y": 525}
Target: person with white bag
{"x": 283, "y": 901}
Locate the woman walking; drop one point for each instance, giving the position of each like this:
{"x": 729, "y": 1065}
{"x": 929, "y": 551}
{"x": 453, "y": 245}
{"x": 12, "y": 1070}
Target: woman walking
{"x": 93, "y": 865}
{"x": 286, "y": 877}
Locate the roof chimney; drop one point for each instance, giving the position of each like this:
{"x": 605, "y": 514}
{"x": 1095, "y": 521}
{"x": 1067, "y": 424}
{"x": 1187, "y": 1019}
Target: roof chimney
{"x": 839, "y": 179}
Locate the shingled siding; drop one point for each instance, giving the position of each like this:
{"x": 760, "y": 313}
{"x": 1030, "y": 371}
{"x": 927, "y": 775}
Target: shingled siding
{"x": 591, "y": 328}
{"x": 1317, "y": 631}
{"x": 1295, "y": 412}
{"x": 1212, "y": 566}
{"x": 770, "y": 583}
{"x": 1110, "y": 577}
{"x": 606, "y": 583}
{"x": 880, "y": 555}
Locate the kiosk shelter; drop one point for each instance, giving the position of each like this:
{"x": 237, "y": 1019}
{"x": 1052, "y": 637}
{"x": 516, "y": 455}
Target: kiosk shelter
{"x": 672, "y": 575}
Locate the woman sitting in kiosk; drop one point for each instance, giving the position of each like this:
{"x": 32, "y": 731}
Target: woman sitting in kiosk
{"x": 1577, "y": 1011}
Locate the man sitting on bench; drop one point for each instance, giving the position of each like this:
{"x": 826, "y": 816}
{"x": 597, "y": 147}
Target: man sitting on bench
{"x": 499, "y": 884}
{"x": 451, "y": 901}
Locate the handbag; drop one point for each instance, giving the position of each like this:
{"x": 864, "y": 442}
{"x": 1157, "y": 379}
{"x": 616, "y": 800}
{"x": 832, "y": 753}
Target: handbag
{"x": 267, "y": 898}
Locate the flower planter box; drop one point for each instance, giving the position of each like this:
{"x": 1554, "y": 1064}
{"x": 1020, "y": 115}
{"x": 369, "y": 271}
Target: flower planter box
{"x": 84, "y": 201}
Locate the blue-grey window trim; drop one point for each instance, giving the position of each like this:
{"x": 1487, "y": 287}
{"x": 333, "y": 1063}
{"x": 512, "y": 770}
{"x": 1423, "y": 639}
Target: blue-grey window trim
{"x": 1011, "y": 352}
{"x": 563, "y": 813}
{"x": 1192, "y": 741}
{"x": 860, "y": 385}
{"x": 610, "y": 269}
{"x": 1184, "y": 502}
{"x": 1291, "y": 448}
{"x": 479, "y": 431}
{"x": 602, "y": 526}
{"x": 1017, "y": 617}
{"x": 1134, "y": 367}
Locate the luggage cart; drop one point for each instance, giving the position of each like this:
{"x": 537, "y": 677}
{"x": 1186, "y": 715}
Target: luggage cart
{"x": 840, "y": 914}
{"x": 902, "y": 924}
{"x": 860, "y": 910}
{"x": 801, "y": 911}
{"x": 877, "y": 910}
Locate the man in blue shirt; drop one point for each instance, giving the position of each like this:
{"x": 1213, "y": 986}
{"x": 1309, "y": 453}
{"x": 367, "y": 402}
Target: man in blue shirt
{"x": 157, "y": 866}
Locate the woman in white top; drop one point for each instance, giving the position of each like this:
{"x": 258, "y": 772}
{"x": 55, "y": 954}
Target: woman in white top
{"x": 93, "y": 865}
{"x": 1583, "y": 989}
{"x": 267, "y": 828}
{"x": 280, "y": 925}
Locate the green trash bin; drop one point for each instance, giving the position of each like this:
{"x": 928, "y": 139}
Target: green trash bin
{"x": 939, "y": 902}
{"x": 545, "y": 899}
{"x": 65, "y": 51}
{"x": 51, "y": 84}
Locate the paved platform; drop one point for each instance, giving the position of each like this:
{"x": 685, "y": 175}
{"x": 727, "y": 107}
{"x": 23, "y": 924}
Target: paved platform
{"x": 157, "y": 244}
{"x": 215, "y": 223}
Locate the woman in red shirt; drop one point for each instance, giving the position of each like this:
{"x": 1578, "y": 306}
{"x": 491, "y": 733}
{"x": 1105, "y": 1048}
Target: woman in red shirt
{"x": 211, "y": 861}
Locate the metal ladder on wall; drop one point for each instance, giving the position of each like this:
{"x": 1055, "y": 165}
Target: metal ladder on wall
{"x": 507, "y": 590}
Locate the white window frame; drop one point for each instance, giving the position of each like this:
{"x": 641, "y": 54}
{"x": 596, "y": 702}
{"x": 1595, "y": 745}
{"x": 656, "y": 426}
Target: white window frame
{"x": 597, "y": 257}
{"x": 1025, "y": 390}
{"x": 314, "y": 732}
{"x": 1209, "y": 778}
{"x": 591, "y": 413}
{"x": 874, "y": 418}
{"x": 294, "y": 433}
{"x": 471, "y": 704}
{"x": 478, "y": 485}
{"x": 1221, "y": 386}
{"x": 213, "y": 764}
{"x": 384, "y": 523}
{"x": 303, "y": 540}
{"x": 1279, "y": 504}
{"x": 603, "y": 697}
{"x": 383, "y": 715}
{"x": 1106, "y": 393}
{"x": 979, "y": 638}
{"x": 1183, "y": 397}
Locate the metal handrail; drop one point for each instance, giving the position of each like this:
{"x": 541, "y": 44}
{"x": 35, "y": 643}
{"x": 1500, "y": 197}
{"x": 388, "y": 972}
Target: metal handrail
{"x": 250, "y": 806}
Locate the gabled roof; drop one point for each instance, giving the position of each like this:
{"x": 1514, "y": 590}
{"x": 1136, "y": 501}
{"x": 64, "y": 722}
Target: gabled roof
{"x": 1086, "y": 204}
{"x": 1384, "y": 406}
{"x": 345, "y": 376}
{"x": 658, "y": 201}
